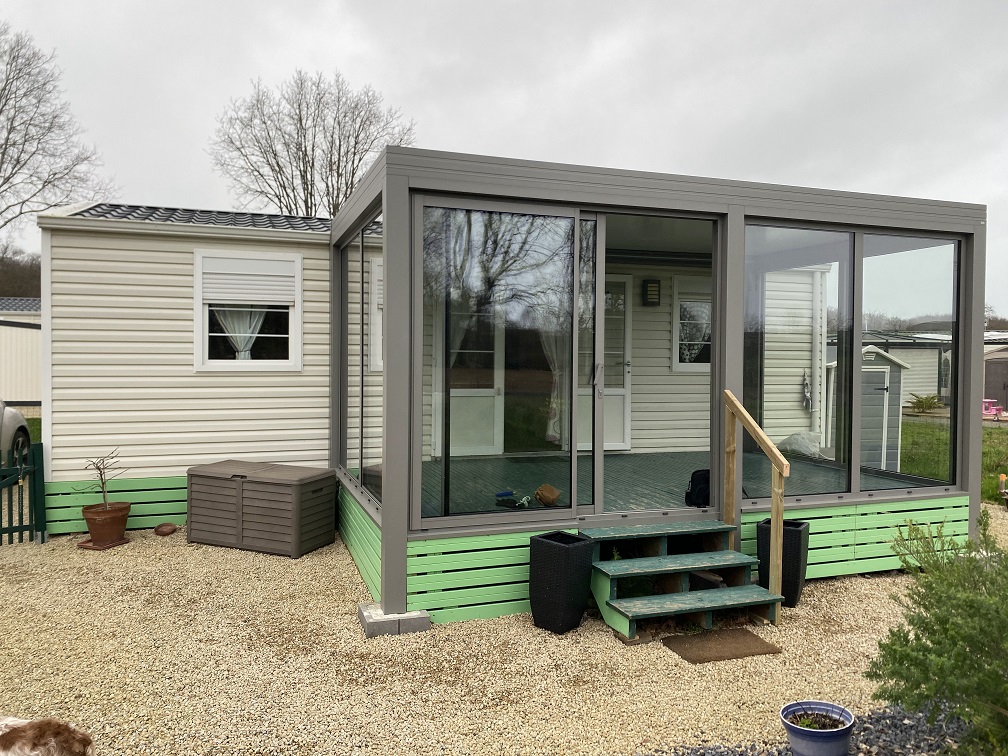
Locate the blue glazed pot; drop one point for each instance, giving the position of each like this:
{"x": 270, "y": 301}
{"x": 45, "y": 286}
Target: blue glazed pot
{"x": 807, "y": 742}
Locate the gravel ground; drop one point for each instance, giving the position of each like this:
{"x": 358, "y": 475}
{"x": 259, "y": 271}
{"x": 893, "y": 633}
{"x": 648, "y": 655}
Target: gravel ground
{"x": 165, "y": 647}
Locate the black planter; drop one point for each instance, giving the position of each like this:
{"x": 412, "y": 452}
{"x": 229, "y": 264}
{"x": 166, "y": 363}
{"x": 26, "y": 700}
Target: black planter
{"x": 560, "y": 566}
{"x": 794, "y": 559}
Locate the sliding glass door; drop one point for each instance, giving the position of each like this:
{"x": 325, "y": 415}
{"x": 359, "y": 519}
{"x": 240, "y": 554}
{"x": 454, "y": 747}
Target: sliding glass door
{"x": 498, "y": 320}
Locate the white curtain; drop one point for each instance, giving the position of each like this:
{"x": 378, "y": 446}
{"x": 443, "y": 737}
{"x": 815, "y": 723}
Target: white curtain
{"x": 554, "y": 344}
{"x": 458, "y": 327}
{"x": 241, "y": 326}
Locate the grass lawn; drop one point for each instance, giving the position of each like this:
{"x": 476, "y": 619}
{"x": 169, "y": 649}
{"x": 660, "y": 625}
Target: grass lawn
{"x": 925, "y": 452}
{"x": 995, "y": 461}
{"x": 35, "y": 428}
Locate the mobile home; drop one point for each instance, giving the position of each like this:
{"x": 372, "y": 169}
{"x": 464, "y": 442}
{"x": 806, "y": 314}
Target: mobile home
{"x": 468, "y": 330}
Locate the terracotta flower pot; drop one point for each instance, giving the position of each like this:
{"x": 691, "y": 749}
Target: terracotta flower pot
{"x": 107, "y": 527}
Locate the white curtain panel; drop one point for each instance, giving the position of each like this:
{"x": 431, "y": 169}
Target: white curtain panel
{"x": 241, "y": 325}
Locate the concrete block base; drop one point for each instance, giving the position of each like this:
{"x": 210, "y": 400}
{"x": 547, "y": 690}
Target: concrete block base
{"x": 375, "y": 622}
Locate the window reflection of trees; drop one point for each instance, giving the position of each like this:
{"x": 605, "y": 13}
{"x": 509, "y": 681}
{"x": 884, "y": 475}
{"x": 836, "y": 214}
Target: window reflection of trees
{"x": 514, "y": 269}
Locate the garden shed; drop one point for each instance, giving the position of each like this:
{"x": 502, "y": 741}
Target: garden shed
{"x": 477, "y": 330}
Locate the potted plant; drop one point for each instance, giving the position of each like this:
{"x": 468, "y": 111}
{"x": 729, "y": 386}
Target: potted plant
{"x": 817, "y": 728}
{"x": 106, "y": 522}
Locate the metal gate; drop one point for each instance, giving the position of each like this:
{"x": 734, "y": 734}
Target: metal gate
{"x": 22, "y": 497}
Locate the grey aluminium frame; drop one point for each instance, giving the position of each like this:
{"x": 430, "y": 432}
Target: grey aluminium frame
{"x": 517, "y": 520}
{"x": 400, "y": 171}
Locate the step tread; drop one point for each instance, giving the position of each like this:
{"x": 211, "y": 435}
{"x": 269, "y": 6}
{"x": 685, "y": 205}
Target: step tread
{"x": 686, "y": 527}
{"x": 659, "y": 565}
{"x": 669, "y": 604}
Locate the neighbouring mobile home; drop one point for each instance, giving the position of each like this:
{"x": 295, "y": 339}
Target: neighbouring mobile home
{"x": 470, "y": 334}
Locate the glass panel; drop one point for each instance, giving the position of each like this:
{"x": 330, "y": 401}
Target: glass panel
{"x": 586, "y": 366}
{"x": 355, "y": 347}
{"x": 498, "y": 296}
{"x": 263, "y": 329}
{"x": 656, "y": 421}
{"x": 694, "y": 332}
{"x": 615, "y": 333}
{"x": 372, "y": 315}
{"x": 797, "y": 358}
{"x": 909, "y": 348}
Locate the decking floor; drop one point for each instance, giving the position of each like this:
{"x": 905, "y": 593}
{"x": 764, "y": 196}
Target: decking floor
{"x": 632, "y": 481}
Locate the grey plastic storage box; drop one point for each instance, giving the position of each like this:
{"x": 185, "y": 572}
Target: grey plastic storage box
{"x": 258, "y": 506}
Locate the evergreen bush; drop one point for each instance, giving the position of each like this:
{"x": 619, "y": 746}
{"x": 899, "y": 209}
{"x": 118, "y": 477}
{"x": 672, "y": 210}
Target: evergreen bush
{"x": 953, "y": 647}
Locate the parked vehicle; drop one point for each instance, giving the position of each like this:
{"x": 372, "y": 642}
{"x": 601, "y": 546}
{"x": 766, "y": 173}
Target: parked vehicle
{"x": 13, "y": 431}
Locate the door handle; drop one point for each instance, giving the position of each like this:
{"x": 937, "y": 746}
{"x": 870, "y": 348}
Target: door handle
{"x": 499, "y": 391}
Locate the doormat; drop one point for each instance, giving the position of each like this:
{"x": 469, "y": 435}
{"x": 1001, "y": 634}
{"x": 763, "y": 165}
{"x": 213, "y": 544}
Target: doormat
{"x": 719, "y": 645}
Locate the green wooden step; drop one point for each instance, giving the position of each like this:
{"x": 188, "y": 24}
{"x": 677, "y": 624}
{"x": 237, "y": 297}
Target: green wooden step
{"x": 686, "y": 527}
{"x": 670, "y": 604}
{"x": 663, "y": 565}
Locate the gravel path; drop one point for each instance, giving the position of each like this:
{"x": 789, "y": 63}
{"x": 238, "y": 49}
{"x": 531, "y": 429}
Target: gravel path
{"x": 164, "y": 647}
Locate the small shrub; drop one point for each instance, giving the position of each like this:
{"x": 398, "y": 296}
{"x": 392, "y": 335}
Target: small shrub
{"x": 953, "y": 647}
{"x": 926, "y": 403}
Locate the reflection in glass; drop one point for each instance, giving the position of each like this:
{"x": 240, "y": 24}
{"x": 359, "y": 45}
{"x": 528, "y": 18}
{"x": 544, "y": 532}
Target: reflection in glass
{"x": 586, "y": 365}
{"x": 910, "y": 347}
{"x": 372, "y": 407}
{"x": 498, "y": 318}
{"x": 656, "y": 409}
{"x": 797, "y": 356}
{"x": 352, "y": 319}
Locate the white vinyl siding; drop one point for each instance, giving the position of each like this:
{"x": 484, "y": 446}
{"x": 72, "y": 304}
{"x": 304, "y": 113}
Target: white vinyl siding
{"x": 789, "y": 346}
{"x": 122, "y": 362}
{"x": 374, "y": 380}
{"x": 20, "y": 363}
{"x": 669, "y": 411}
{"x": 922, "y": 376}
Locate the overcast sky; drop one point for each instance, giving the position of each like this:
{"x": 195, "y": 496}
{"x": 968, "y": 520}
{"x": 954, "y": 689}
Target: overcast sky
{"x": 907, "y": 98}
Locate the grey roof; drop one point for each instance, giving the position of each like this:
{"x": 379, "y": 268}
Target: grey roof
{"x": 20, "y": 304}
{"x": 234, "y": 219}
{"x": 230, "y": 218}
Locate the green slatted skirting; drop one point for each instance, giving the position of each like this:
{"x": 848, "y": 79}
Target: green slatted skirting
{"x": 845, "y": 540}
{"x": 464, "y": 578}
{"x": 363, "y": 540}
{"x": 154, "y": 500}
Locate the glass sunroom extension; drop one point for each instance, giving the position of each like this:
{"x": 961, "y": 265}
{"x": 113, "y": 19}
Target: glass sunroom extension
{"x": 523, "y": 347}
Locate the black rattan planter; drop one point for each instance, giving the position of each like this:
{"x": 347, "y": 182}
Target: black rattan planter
{"x": 559, "y": 579}
{"x": 794, "y": 559}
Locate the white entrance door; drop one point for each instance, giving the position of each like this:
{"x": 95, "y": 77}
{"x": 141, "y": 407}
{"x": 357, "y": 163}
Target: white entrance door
{"x": 476, "y": 378}
{"x": 616, "y": 361}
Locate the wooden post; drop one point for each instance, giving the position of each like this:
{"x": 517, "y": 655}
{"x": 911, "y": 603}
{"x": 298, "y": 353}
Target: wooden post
{"x": 728, "y": 500}
{"x": 776, "y": 535}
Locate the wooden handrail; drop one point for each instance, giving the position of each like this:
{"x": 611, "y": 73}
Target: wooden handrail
{"x": 735, "y": 413}
{"x": 758, "y": 434}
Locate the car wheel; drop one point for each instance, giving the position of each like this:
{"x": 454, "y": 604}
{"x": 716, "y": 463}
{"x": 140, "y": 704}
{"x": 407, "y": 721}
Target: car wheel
{"x": 20, "y": 444}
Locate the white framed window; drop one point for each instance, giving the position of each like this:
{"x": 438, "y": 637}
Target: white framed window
{"x": 692, "y": 317}
{"x": 247, "y": 311}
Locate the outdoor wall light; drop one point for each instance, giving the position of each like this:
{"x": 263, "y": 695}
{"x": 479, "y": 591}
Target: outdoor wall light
{"x": 652, "y": 292}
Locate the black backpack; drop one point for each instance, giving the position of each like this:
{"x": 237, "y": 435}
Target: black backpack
{"x": 698, "y": 490}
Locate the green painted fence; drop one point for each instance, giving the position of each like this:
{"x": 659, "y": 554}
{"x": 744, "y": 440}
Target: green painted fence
{"x": 154, "y": 500}
{"x": 844, "y": 540}
{"x": 469, "y": 577}
{"x": 363, "y": 540}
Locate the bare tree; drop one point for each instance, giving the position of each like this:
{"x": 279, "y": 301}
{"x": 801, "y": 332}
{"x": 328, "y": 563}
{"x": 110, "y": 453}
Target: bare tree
{"x": 301, "y": 148}
{"x": 43, "y": 163}
{"x": 20, "y": 273}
